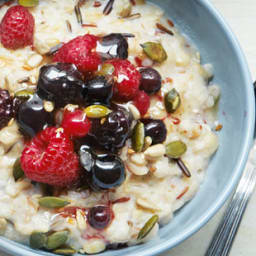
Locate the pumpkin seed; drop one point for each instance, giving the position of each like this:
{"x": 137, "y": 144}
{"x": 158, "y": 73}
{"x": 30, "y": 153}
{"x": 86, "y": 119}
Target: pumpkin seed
{"x": 17, "y": 171}
{"x": 65, "y": 251}
{"x": 155, "y": 51}
{"x": 37, "y": 240}
{"x": 97, "y": 111}
{"x": 148, "y": 227}
{"x": 28, "y": 3}
{"x": 138, "y": 137}
{"x": 57, "y": 239}
{"x": 176, "y": 149}
{"x": 172, "y": 101}
{"x": 53, "y": 202}
{"x": 24, "y": 94}
{"x": 107, "y": 69}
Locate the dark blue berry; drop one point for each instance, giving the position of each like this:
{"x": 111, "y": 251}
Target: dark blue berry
{"x": 61, "y": 83}
{"x": 102, "y": 172}
{"x": 155, "y": 129}
{"x": 32, "y": 117}
{"x": 150, "y": 80}
{"x": 100, "y": 90}
{"x": 113, "y": 46}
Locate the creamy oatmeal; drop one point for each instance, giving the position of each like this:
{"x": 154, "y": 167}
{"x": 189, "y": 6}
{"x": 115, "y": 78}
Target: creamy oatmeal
{"x": 157, "y": 174}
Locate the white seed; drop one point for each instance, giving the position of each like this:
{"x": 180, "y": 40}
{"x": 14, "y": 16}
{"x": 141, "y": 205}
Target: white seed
{"x": 80, "y": 219}
{"x": 123, "y": 7}
{"x": 135, "y": 112}
{"x": 48, "y": 106}
{"x": 138, "y": 159}
{"x": 137, "y": 170}
{"x": 147, "y": 204}
{"x": 154, "y": 152}
{"x": 147, "y": 142}
{"x": 34, "y": 60}
{"x": 94, "y": 246}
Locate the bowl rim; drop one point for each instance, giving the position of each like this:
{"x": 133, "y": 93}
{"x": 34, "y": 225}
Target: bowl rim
{"x": 11, "y": 247}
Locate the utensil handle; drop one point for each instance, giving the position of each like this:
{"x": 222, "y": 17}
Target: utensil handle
{"x": 227, "y": 229}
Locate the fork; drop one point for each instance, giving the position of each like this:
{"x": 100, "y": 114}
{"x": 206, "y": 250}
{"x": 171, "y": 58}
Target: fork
{"x": 224, "y": 236}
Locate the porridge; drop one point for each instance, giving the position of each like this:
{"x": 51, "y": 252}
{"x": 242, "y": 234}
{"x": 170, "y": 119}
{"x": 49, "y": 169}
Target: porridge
{"x": 108, "y": 122}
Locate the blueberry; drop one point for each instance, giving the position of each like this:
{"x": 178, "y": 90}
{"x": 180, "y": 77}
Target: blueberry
{"x": 150, "y": 80}
{"x": 61, "y": 83}
{"x": 108, "y": 172}
{"x": 155, "y": 129}
{"x": 101, "y": 172}
{"x": 113, "y": 46}
{"x": 99, "y": 217}
{"x": 32, "y": 117}
{"x": 100, "y": 90}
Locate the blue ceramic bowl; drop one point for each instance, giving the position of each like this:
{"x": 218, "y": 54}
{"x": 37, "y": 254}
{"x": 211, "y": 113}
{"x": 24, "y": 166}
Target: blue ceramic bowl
{"x": 205, "y": 28}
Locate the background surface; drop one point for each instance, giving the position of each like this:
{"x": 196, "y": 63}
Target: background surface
{"x": 241, "y": 16}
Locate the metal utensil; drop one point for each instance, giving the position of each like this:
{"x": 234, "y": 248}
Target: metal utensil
{"x": 227, "y": 229}
{"x": 223, "y": 238}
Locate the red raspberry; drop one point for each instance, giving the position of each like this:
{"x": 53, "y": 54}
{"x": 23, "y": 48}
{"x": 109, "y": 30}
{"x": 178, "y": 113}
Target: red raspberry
{"x": 17, "y": 28}
{"x": 49, "y": 158}
{"x": 81, "y": 52}
{"x": 142, "y": 102}
{"x": 128, "y": 79}
{"x": 76, "y": 123}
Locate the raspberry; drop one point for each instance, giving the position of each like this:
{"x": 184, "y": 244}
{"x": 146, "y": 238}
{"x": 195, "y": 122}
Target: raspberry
{"x": 49, "y": 158}
{"x": 76, "y": 123}
{"x": 17, "y": 28}
{"x": 81, "y": 52}
{"x": 128, "y": 79}
{"x": 142, "y": 102}
{"x": 6, "y": 108}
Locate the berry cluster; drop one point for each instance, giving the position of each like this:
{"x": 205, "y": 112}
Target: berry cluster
{"x": 71, "y": 115}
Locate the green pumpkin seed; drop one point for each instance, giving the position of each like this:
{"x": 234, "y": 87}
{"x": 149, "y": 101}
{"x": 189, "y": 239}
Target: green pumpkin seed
{"x": 28, "y": 3}
{"x": 138, "y": 137}
{"x": 176, "y": 149}
{"x": 97, "y": 111}
{"x": 148, "y": 227}
{"x": 53, "y": 202}
{"x": 57, "y": 239}
{"x": 37, "y": 240}
{"x": 172, "y": 101}
{"x": 17, "y": 171}
{"x": 65, "y": 251}
{"x": 24, "y": 94}
{"x": 155, "y": 51}
{"x": 107, "y": 69}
